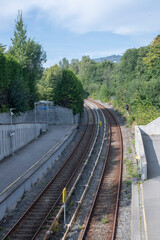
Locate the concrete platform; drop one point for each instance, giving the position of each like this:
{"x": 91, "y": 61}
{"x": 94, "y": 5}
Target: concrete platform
{"x": 20, "y": 171}
{"x": 151, "y": 187}
{"x": 13, "y": 167}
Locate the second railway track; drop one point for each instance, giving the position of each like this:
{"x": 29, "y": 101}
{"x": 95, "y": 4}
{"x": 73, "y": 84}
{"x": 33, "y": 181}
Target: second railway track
{"x": 101, "y": 220}
{"x": 47, "y": 203}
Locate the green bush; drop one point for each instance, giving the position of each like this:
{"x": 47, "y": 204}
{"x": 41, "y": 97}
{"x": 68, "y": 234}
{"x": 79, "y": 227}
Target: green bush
{"x": 69, "y": 92}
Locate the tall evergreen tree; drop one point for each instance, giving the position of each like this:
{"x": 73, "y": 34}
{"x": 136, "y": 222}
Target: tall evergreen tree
{"x": 19, "y": 42}
{"x": 30, "y": 56}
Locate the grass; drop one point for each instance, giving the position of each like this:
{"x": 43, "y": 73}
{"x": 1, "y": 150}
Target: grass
{"x": 128, "y": 183}
{"x": 81, "y": 227}
{"x": 130, "y": 168}
{"x": 56, "y": 227}
{"x": 133, "y": 142}
{"x": 128, "y": 195}
{"x": 104, "y": 220}
{"x": 129, "y": 150}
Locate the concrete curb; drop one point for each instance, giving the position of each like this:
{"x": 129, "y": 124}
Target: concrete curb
{"x": 12, "y": 194}
{"x": 135, "y": 220}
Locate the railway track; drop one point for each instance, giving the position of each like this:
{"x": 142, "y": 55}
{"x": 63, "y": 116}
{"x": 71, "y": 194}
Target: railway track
{"x": 86, "y": 178}
{"x": 101, "y": 214}
{"x": 100, "y": 222}
{"x": 37, "y": 218}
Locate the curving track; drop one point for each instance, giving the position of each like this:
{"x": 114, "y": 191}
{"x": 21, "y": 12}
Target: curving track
{"x": 35, "y": 220}
{"x": 101, "y": 220}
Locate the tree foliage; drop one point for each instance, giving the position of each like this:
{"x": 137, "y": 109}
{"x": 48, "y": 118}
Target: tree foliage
{"x": 30, "y": 55}
{"x": 74, "y": 66}
{"x": 69, "y": 92}
{"x": 64, "y": 63}
{"x": 46, "y": 85}
{"x": 135, "y": 81}
{"x": 152, "y": 58}
{"x": 20, "y": 69}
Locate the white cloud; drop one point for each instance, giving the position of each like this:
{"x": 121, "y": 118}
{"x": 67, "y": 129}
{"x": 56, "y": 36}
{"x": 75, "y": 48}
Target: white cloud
{"x": 127, "y": 17}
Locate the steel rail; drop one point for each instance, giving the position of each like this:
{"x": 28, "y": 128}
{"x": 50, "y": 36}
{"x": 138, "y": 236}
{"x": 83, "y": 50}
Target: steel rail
{"x": 120, "y": 173}
{"x": 86, "y": 223}
{"x": 49, "y": 231}
{"x": 88, "y": 219}
{"x": 70, "y": 179}
{"x": 119, "y": 181}
{"x": 37, "y": 199}
{"x": 91, "y": 174}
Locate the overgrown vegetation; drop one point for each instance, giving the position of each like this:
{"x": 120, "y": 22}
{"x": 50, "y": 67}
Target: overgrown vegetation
{"x": 104, "y": 220}
{"x": 63, "y": 87}
{"x": 135, "y": 81}
{"x": 56, "y": 227}
{"x": 131, "y": 169}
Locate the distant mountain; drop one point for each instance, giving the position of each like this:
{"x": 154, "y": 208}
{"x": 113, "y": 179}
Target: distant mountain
{"x": 113, "y": 58}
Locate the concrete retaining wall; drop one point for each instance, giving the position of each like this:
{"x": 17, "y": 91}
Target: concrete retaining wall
{"x": 10, "y": 196}
{"x": 152, "y": 128}
{"x": 140, "y": 152}
{"x": 14, "y": 137}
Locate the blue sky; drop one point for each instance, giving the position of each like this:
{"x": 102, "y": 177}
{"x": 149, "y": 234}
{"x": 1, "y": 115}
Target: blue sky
{"x": 74, "y": 28}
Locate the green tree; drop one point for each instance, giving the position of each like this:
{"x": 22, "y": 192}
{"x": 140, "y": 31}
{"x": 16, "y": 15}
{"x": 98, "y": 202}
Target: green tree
{"x": 2, "y": 70}
{"x": 2, "y": 47}
{"x": 74, "y": 66}
{"x": 3, "y": 80}
{"x": 46, "y": 85}
{"x": 129, "y": 61}
{"x": 30, "y": 55}
{"x": 86, "y": 71}
{"x": 152, "y": 59}
{"x": 18, "y": 48}
{"x": 18, "y": 95}
{"x": 34, "y": 68}
{"x": 64, "y": 63}
{"x": 69, "y": 92}
{"x": 141, "y": 69}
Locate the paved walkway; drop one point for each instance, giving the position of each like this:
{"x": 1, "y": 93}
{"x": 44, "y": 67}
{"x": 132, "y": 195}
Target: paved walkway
{"x": 151, "y": 187}
{"x": 14, "y": 166}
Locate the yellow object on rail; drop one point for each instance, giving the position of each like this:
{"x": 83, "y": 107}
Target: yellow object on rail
{"x": 64, "y": 195}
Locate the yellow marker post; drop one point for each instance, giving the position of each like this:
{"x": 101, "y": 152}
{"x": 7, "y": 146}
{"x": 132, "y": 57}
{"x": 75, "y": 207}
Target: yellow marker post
{"x": 64, "y": 202}
{"x": 100, "y": 123}
{"x": 64, "y": 195}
